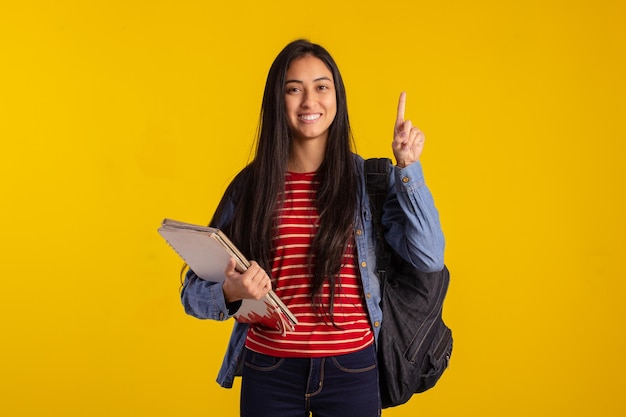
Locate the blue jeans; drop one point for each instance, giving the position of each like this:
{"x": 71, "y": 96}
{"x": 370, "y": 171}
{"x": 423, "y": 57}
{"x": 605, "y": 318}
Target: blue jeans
{"x": 335, "y": 386}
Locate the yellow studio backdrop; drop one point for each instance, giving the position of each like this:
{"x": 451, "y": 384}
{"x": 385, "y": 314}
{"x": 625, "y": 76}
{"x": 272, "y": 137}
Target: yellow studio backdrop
{"x": 115, "y": 114}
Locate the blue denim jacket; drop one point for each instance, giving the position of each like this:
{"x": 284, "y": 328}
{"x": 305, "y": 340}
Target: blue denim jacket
{"x": 412, "y": 228}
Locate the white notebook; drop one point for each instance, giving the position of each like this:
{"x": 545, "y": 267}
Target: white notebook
{"x": 207, "y": 251}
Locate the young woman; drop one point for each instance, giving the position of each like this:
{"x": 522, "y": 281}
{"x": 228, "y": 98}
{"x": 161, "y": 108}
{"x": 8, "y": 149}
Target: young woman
{"x": 300, "y": 211}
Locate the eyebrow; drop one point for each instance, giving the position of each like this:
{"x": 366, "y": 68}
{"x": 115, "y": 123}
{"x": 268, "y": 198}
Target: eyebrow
{"x": 315, "y": 80}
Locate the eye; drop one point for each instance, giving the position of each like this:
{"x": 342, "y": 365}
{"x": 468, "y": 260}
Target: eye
{"x": 292, "y": 89}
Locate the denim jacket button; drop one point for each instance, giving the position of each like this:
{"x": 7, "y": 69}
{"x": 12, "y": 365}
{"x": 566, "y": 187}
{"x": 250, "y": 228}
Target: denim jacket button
{"x": 405, "y": 179}
{"x": 363, "y": 264}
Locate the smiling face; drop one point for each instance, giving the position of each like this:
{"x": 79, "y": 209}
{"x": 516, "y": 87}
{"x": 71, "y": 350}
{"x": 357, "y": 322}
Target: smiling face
{"x": 310, "y": 99}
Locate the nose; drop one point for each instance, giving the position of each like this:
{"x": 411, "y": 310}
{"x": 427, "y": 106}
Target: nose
{"x": 307, "y": 99}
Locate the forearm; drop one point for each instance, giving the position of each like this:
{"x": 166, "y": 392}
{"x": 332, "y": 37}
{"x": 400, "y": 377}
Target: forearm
{"x": 412, "y": 220}
{"x": 204, "y": 299}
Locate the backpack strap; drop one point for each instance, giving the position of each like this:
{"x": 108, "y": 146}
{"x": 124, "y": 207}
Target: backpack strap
{"x": 376, "y": 182}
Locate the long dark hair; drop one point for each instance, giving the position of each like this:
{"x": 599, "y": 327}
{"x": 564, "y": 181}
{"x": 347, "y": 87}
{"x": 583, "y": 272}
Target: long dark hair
{"x": 261, "y": 184}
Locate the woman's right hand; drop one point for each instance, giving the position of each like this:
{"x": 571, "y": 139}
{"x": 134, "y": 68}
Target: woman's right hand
{"x": 254, "y": 283}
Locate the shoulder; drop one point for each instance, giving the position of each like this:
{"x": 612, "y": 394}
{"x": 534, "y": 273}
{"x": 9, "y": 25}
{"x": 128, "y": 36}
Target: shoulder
{"x": 358, "y": 159}
{"x": 358, "y": 162}
{"x": 238, "y": 185}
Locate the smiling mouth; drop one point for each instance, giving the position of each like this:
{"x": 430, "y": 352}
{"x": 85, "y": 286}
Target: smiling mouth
{"x": 309, "y": 117}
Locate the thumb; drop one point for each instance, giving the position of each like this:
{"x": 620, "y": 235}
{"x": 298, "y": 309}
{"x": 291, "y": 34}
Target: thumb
{"x": 230, "y": 267}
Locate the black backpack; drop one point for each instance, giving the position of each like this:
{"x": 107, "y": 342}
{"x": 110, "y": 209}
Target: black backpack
{"x": 414, "y": 345}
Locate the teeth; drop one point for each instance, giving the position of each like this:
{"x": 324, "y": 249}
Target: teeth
{"x": 309, "y": 116}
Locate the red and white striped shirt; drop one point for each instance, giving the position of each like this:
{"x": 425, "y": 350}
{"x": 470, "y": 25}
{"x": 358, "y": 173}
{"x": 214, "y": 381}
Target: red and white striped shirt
{"x": 315, "y": 335}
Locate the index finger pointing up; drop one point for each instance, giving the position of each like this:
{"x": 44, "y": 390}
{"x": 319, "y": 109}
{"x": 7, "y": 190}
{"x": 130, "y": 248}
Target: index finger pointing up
{"x": 401, "y": 105}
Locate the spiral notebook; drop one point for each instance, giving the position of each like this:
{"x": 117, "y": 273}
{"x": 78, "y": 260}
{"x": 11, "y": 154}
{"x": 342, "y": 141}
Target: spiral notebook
{"x": 207, "y": 251}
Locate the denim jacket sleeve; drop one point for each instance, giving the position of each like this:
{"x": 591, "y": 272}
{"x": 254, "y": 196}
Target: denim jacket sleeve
{"x": 411, "y": 221}
{"x": 205, "y": 299}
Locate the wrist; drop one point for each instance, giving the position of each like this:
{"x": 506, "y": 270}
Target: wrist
{"x": 226, "y": 290}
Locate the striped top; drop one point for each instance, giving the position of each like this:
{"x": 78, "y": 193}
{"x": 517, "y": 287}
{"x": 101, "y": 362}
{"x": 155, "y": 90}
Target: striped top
{"x": 315, "y": 335}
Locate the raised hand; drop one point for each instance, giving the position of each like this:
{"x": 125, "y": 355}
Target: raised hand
{"x": 408, "y": 140}
{"x": 254, "y": 283}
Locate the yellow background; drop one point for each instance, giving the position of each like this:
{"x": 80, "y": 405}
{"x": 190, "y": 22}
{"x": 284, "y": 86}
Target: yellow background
{"x": 115, "y": 114}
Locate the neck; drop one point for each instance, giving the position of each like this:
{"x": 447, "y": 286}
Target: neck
{"x": 306, "y": 156}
